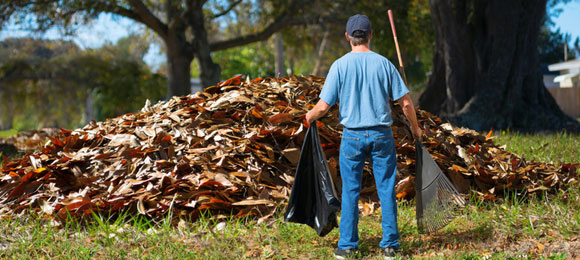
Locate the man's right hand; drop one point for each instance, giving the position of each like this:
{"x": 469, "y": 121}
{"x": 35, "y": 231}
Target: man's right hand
{"x": 417, "y": 133}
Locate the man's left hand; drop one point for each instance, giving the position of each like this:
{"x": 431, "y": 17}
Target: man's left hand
{"x": 317, "y": 112}
{"x": 309, "y": 118}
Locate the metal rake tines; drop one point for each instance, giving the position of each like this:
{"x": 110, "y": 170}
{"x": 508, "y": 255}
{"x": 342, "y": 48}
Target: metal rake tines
{"x": 441, "y": 203}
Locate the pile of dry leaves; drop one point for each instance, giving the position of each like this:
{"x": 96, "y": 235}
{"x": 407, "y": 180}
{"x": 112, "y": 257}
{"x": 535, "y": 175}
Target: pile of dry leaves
{"x": 232, "y": 149}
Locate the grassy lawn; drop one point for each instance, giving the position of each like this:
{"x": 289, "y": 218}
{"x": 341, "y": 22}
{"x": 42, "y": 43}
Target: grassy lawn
{"x": 543, "y": 226}
{"x": 7, "y": 133}
{"x": 561, "y": 147}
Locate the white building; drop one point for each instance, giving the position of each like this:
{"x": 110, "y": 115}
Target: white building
{"x": 569, "y": 73}
{"x": 566, "y": 91}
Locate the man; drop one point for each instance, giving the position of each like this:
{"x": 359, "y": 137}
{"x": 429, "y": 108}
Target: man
{"x": 364, "y": 82}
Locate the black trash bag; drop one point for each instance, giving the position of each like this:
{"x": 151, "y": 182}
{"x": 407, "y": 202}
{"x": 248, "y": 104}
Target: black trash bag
{"x": 313, "y": 199}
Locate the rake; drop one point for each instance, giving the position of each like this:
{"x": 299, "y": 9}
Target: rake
{"x": 437, "y": 201}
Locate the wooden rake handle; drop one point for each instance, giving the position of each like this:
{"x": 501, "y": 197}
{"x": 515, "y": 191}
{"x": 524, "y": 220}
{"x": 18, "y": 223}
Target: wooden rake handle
{"x": 397, "y": 46}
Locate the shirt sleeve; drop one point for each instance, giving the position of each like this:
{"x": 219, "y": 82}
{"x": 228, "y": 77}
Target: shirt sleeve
{"x": 331, "y": 86}
{"x": 397, "y": 88}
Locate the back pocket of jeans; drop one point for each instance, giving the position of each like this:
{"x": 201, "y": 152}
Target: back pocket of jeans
{"x": 350, "y": 147}
{"x": 383, "y": 145}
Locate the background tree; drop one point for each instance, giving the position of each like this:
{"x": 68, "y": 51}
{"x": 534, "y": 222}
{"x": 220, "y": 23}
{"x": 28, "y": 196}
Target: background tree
{"x": 486, "y": 69}
{"x": 414, "y": 32}
{"x": 551, "y": 46}
{"x": 551, "y": 42}
{"x": 302, "y": 43}
{"x": 46, "y": 83}
{"x": 182, "y": 25}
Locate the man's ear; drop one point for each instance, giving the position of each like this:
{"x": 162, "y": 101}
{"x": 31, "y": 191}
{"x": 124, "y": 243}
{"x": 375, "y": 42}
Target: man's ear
{"x": 346, "y": 36}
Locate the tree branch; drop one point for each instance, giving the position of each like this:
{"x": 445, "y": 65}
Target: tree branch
{"x": 278, "y": 24}
{"x": 127, "y": 13}
{"x": 148, "y": 18}
{"x": 227, "y": 10}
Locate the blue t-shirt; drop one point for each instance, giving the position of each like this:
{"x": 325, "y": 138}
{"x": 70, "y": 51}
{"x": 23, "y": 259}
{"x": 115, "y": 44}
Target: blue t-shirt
{"x": 363, "y": 82}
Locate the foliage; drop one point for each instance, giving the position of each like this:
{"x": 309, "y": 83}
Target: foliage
{"x": 255, "y": 60}
{"x": 54, "y": 90}
{"x": 189, "y": 29}
{"x": 414, "y": 32}
{"x": 301, "y": 43}
{"x": 551, "y": 46}
{"x": 551, "y": 42}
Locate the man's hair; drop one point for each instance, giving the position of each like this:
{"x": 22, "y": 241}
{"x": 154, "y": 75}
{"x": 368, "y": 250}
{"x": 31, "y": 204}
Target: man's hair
{"x": 358, "y": 41}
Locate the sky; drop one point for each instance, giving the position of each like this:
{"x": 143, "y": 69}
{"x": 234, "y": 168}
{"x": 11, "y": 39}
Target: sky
{"x": 109, "y": 29}
{"x": 569, "y": 20}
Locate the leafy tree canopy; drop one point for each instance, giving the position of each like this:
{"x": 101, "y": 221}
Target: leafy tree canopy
{"x": 52, "y": 90}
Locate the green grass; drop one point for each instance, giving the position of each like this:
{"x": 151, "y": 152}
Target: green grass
{"x": 543, "y": 226}
{"x": 485, "y": 229}
{"x": 7, "y": 133}
{"x": 560, "y": 147}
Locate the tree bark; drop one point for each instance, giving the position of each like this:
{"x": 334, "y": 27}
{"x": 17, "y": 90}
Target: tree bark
{"x": 279, "y": 66}
{"x": 321, "y": 48}
{"x": 486, "y": 70}
{"x": 89, "y": 107}
{"x": 209, "y": 71}
{"x": 179, "y": 58}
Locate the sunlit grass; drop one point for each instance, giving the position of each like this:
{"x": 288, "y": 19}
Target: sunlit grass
{"x": 485, "y": 228}
{"x": 7, "y": 133}
{"x": 553, "y": 147}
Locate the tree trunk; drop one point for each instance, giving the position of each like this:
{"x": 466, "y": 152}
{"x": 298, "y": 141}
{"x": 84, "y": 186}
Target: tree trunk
{"x": 321, "y": 48}
{"x": 280, "y": 68}
{"x": 486, "y": 70}
{"x": 209, "y": 71}
{"x": 89, "y": 107}
{"x": 179, "y": 57}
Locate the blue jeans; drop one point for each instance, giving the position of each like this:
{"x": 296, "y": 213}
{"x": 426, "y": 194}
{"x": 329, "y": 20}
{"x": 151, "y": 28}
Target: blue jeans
{"x": 356, "y": 146}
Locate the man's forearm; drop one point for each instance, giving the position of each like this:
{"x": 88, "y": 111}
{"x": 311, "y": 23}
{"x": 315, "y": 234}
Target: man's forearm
{"x": 409, "y": 111}
{"x": 316, "y": 114}
{"x": 318, "y": 111}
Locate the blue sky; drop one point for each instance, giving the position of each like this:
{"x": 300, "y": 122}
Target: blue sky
{"x": 109, "y": 29}
{"x": 569, "y": 20}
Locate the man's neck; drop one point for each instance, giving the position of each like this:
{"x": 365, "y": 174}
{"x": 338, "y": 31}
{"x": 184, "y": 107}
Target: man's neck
{"x": 360, "y": 48}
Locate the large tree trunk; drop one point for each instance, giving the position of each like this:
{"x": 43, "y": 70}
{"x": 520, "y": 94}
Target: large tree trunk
{"x": 179, "y": 57}
{"x": 486, "y": 70}
{"x": 209, "y": 72}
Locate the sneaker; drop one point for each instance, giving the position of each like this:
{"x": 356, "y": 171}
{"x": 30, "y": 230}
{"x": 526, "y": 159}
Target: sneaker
{"x": 343, "y": 253}
{"x": 390, "y": 252}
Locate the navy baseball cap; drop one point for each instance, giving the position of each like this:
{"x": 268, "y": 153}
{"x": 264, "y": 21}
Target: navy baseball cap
{"x": 358, "y": 22}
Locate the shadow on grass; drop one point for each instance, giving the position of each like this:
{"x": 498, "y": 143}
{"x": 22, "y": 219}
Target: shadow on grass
{"x": 414, "y": 244}
{"x": 464, "y": 239}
